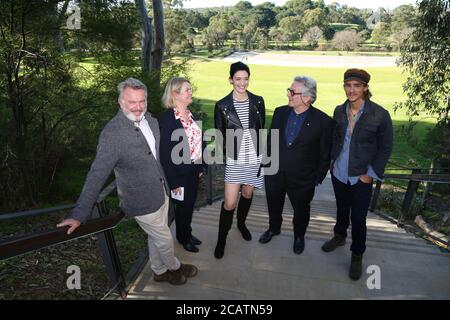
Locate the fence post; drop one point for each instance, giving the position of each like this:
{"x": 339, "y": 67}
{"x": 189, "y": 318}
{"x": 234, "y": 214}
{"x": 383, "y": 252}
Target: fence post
{"x": 409, "y": 197}
{"x": 376, "y": 193}
{"x": 109, "y": 252}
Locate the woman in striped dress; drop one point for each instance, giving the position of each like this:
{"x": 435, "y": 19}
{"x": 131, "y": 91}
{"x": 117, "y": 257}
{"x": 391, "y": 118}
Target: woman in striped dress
{"x": 240, "y": 115}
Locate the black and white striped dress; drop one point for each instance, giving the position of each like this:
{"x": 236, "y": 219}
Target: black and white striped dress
{"x": 244, "y": 170}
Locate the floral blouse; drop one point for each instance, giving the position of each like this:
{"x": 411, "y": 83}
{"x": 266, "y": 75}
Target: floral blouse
{"x": 193, "y": 133}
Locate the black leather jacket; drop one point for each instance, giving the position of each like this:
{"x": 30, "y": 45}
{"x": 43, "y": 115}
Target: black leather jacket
{"x": 226, "y": 117}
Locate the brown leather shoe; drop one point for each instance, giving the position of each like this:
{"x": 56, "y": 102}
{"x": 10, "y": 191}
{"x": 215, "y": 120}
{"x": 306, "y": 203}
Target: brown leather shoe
{"x": 173, "y": 277}
{"x": 188, "y": 270}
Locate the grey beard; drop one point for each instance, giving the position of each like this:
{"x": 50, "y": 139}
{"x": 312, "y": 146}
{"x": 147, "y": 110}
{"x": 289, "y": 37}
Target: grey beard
{"x": 131, "y": 116}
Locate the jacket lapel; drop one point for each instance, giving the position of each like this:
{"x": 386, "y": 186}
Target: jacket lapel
{"x": 231, "y": 113}
{"x": 285, "y": 116}
{"x": 252, "y": 116}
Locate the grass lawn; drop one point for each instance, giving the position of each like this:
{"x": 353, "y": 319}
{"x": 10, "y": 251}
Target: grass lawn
{"x": 210, "y": 79}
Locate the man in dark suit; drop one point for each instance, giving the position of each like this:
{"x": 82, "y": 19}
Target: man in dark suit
{"x": 304, "y": 156}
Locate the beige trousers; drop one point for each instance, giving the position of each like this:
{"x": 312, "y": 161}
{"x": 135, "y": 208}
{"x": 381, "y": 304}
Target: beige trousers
{"x": 160, "y": 241}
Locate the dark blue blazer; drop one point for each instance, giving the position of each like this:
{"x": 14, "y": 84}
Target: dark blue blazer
{"x": 176, "y": 174}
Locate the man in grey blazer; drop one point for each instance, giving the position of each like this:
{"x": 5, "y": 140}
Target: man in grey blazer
{"x": 129, "y": 145}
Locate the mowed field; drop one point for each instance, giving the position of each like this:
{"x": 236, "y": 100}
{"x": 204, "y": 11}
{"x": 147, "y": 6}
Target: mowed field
{"x": 210, "y": 80}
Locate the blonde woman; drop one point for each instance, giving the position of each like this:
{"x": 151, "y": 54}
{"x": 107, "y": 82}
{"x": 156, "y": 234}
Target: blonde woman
{"x": 182, "y": 173}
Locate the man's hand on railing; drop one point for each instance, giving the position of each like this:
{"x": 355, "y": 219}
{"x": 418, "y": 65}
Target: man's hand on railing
{"x": 69, "y": 222}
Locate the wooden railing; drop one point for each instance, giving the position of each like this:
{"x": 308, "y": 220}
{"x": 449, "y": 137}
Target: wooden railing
{"x": 101, "y": 224}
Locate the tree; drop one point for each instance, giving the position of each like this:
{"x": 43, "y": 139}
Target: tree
{"x": 333, "y": 13}
{"x": 346, "y": 40}
{"x": 264, "y": 15}
{"x": 152, "y": 49}
{"x": 353, "y": 15}
{"x": 312, "y": 36}
{"x": 262, "y": 38}
{"x": 402, "y": 23}
{"x": 196, "y": 19}
{"x": 179, "y": 35}
{"x": 47, "y": 100}
{"x": 239, "y": 15}
{"x": 236, "y": 35}
{"x": 381, "y": 34}
{"x": 400, "y": 36}
{"x": 217, "y": 31}
{"x": 277, "y": 35}
{"x": 315, "y": 17}
{"x": 403, "y": 17}
{"x": 248, "y": 34}
{"x": 425, "y": 55}
{"x": 242, "y": 6}
{"x": 292, "y": 27}
{"x": 329, "y": 33}
{"x": 299, "y": 6}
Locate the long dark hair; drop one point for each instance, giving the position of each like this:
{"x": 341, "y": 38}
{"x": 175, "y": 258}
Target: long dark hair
{"x": 367, "y": 94}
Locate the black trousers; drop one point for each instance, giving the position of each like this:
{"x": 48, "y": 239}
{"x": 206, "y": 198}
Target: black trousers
{"x": 184, "y": 209}
{"x": 300, "y": 196}
{"x": 352, "y": 204}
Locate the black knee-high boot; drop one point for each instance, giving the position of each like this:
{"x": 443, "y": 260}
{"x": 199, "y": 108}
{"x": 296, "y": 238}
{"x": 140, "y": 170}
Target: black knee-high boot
{"x": 225, "y": 222}
{"x": 242, "y": 212}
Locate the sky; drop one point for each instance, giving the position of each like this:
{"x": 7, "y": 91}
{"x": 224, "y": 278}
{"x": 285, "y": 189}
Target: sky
{"x": 387, "y": 4}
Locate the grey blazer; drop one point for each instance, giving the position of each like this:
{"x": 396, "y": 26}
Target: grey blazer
{"x": 141, "y": 184}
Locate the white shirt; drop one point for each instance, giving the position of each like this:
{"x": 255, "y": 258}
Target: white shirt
{"x": 148, "y": 134}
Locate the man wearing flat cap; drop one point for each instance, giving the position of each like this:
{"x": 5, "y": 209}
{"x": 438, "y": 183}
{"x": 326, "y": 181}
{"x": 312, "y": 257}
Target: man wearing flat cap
{"x": 362, "y": 145}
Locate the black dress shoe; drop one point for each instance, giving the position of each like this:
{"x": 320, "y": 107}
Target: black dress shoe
{"x": 267, "y": 236}
{"x": 299, "y": 245}
{"x": 195, "y": 241}
{"x": 190, "y": 247}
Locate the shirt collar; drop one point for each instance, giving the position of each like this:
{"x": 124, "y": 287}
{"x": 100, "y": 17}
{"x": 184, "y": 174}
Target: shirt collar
{"x": 178, "y": 114}
{"x": 293, "y": 113}
{"x": 361, "y": 110}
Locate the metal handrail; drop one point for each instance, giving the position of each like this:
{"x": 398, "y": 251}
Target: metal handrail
{"x": 417, "y": 169}
{"x": 420, "y": 177}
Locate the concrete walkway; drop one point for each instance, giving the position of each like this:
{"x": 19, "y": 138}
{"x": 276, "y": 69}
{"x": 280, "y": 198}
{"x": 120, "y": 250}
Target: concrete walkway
{"x": 410, "y": 268}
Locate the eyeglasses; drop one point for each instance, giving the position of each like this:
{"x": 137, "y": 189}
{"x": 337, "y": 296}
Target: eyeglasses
{"x": 293, "y": 93}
